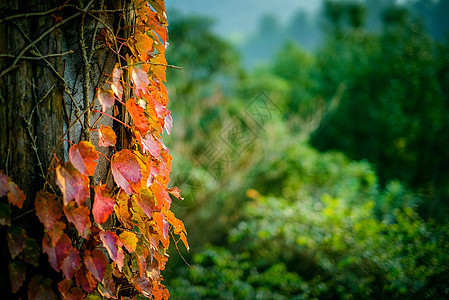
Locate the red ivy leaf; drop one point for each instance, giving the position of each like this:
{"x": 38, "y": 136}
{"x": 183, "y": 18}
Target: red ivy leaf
{"x": 72, "y": 183}
{"x": 71, "y": 263}
{"x": 168, "y": 122}
{"x": 108, "y": 288}
{"x": 56, "y": 232}
{"x": 85, "y": 279}
{"x": 15, "y": 195}
{"x": 116, "y": 85}
{"x": 110, "y": 241}
{"x": 16, "y": 238}
{"x": 79, "y": 216}
{"x": 39, "y": 288}
{"x": 103, "y": 204}
{"x": 126, "y": 171}
{"x": 59, "y": 252}
{"x": 146, "y": 204}
{"x": 140, "y": 80}
{"x": 48, "y": 209}
{"x": 83, "y": 157}
{"x": 106, "y": 136}
{"x": 96, "y": 263}
{"x": 17, "y": 274}
{"x": 149, "y": 144}
{"x": 3, "y": 182}
{"x": 137, "y": 114}
{"x": 75, "y": 293}
{"x": 106, "y": 98}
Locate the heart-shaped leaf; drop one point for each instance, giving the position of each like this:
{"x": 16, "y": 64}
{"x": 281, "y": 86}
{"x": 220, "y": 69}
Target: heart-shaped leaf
{"x": 126, "y": 171}
{"x": 103, "y": 204}
{"x": 48, "y": 209}
{"x": 106, "y": 136}
{"x": 83, "y": 157}
{"x": 72, "y": 183}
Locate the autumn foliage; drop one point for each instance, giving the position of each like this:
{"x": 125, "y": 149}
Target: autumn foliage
{"x": 108, "y": 238}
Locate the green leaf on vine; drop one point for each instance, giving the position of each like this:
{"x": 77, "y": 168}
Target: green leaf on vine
{"x": 31, "y": 252}
{"x": 39, "y": 288}
{"x": 5, "y": 214}
{"x": 48, "y": 209}
{"x": 16, "y": 238}
{"x": 126, "y": 171}
{"x": 83, "y": 157}
{"x": 103, "y": 204}
{"x": 17, "y": 274}
{"x": 72, "y": 183}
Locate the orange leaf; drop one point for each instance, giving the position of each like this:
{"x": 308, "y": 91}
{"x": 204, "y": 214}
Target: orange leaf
{"x": 116, "y": 86}
{"x": 106, "y": 136}
{"x": 137, "y": 114}
{"x": 129, "y": 240}
{"x": 106, "y": 98}
{"x": 144, "y": 46}
{"x": 175, "y": 191}
{"x": 79, "y": 216}
{"x": 72, "y": 183}
{"x": 159, "y": 70}
{"x": 83, "y": 157}
{"x": 48, "y": 209}
{"x": 15, "y": 195}
{"x": 126, "y": 171}
{"x": 122, "y": 209}
{"x": 103, "y": 204}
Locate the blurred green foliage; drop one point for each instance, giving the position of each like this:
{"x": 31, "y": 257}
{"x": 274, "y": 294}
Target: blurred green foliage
{"x": 269, "y": 216}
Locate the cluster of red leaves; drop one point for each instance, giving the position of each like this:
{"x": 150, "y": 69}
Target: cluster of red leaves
{"x": 122, "y": 237}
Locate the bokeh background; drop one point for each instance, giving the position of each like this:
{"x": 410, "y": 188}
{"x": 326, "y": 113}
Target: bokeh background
{"x": 311, "y": 145}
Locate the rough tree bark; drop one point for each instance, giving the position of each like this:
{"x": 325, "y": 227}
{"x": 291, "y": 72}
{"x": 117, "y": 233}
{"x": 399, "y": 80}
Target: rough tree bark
{"x": 44, "y": 87}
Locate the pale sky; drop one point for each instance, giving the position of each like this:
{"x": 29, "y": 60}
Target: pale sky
{"x": 241, "y": 16}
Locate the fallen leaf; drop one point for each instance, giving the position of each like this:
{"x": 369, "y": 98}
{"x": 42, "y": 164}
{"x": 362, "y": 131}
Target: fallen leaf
{"x": 48, "y": 209}
{"x": 103, "y": 204}
{"x": 126, "y": 171}
{"x": 106, "y": 136}
{"x": 72, "y": 183}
